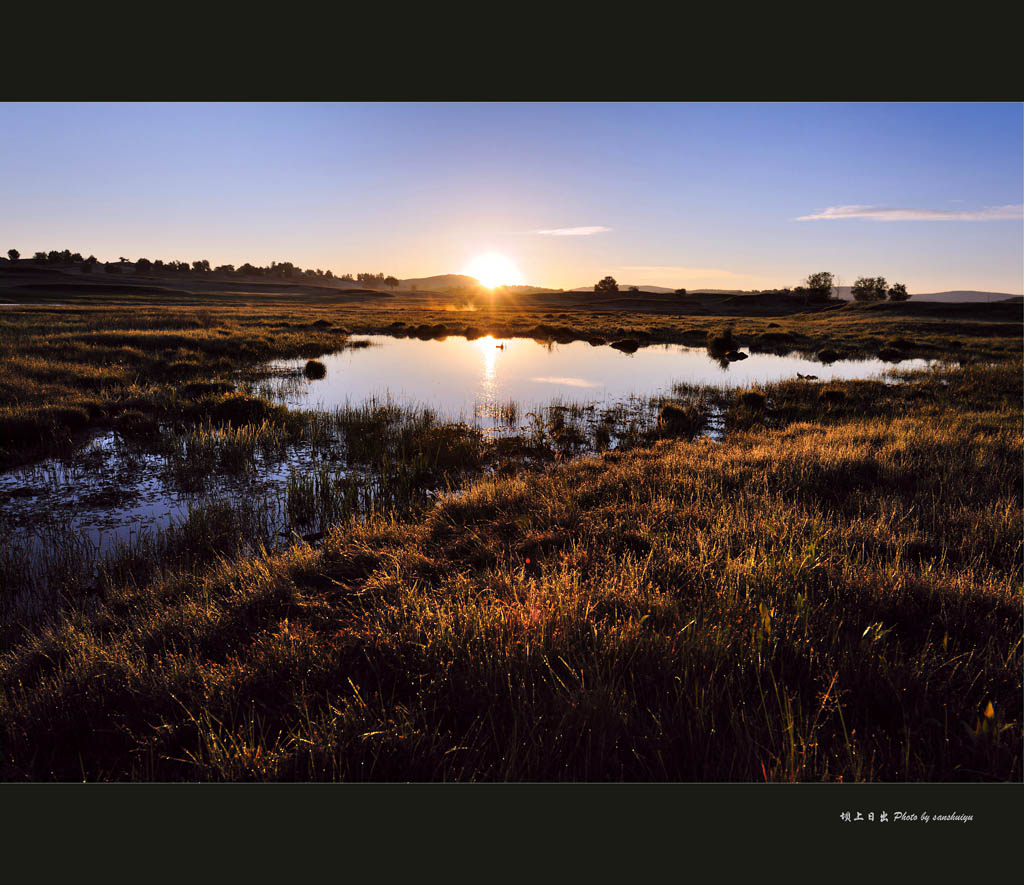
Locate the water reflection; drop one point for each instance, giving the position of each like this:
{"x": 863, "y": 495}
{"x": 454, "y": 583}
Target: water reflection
{"x": 462, "y": 378}
{"x": 109, "y": 491}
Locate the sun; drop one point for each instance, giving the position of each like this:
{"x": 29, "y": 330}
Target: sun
{"x": 493, "y": 270}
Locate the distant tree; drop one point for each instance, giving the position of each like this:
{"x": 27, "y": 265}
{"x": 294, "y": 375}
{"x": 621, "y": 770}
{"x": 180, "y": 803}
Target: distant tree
{"x": 391, "y": 282}
{"x": 111, "y": 267}
{"x": 607, "y": 286}
{"x": 633, "y": 290}
{"x": 13, "y": 254}
{"x": 122, "y": 259}
{"x": 898, "y": 292}
{"x": 158, "y": 263}
{"x": 89, "y": 265}
{"x": 76, "y": 258}
{"x": 39, "y": 256}
{"x": 53, "y": 256}
{"x": 869, "y": 289}
{"x": 329, "y": 275}
{"x": 201, "y": 266}
{"x": 819, "y": 286}
{"x": 680, "y": 291}
{"x": 346, "y": 277}
{"x": 225, "y": 268}
{"x": 143, "y": 264}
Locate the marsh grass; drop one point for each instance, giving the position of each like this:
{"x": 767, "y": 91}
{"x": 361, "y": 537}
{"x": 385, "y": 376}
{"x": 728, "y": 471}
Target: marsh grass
{"x": 99, "y": 363}
{"x": 821, "y": 601}
{"x": 831, "y": 593}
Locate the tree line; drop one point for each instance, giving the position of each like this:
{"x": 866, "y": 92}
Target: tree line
{"x": 275, "y": 270}
{"x": 817, "y": 288}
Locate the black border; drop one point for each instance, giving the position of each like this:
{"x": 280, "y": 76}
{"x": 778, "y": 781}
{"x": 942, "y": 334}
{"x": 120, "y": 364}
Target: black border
{"x": 869, "y": 52}
{"x": 631, "y": 830}
{"x": 819, "y": 54}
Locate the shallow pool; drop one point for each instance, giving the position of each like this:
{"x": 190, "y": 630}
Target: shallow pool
{"x": 462, "y": 378}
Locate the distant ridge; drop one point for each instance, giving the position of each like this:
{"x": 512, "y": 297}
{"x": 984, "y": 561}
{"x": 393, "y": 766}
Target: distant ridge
{"x": 440, "y": 282}
{"x": 447, "y": 281}
{"x": 971, "y": 296}
{"x": 664, "y": 290}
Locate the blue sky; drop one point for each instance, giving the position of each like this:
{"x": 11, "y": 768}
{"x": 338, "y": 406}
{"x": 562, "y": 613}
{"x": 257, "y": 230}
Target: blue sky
{"x": 696, "y": 195}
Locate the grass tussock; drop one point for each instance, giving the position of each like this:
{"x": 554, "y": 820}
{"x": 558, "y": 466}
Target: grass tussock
{"x": 315, "y": 370}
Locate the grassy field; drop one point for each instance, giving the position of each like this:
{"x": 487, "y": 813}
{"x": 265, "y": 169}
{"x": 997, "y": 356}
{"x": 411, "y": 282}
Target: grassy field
{"x": 68, "y": 369}
{"x": 832, "y": 593}
{"x": 101, "y": 359}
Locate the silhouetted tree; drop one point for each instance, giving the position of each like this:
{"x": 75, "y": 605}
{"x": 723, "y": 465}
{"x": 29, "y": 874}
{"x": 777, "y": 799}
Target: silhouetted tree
{"x": 225, "y": 268}
{"x": 898, "y": 292}
{"x": 391, "y": 282}
{"x": 39, "y": 256}
{"x": 680, "y": 291}
{"x": 607, "y": 286}
{"x": 633, "y": 290}
{"x": 143, "y": 264}
{"x": 13, "y": 254}
{"x": 869, "y": 289}
{"x": 201, "y": 266}
{"x": 819, "y": 286}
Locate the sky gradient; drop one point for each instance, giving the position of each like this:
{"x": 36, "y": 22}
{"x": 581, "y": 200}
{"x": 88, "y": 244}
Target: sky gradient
{"x": 733, "y": 196}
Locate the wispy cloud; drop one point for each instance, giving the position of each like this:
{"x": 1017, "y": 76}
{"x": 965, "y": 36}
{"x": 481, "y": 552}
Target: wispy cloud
{"x": 878, "y": 213}
{"x": 574, "y": 231}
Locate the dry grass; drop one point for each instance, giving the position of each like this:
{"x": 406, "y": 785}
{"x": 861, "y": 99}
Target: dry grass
{"x": 826, "y": 596}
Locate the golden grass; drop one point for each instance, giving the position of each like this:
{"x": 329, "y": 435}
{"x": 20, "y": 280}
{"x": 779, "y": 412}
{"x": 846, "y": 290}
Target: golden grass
{"x": 812, "y": 601}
